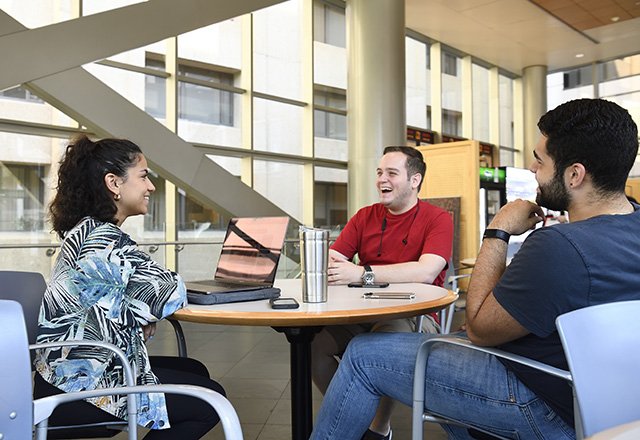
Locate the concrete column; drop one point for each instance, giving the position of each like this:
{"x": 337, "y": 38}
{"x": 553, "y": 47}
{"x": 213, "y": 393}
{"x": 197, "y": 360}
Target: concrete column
{"x": 534, "y": 90}
{"x": 376, "y": 109}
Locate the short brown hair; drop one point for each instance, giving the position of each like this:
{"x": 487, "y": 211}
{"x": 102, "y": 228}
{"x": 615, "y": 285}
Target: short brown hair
{"x": 415, "y": 162}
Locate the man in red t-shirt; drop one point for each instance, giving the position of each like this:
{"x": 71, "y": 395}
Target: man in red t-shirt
{"x": 400, "y": 239}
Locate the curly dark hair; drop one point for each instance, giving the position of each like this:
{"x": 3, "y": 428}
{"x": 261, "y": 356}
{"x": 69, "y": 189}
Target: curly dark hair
{"x": 597, "y": 133}
{"x": 81, "y": 190}
{"x": 415, "y": 161}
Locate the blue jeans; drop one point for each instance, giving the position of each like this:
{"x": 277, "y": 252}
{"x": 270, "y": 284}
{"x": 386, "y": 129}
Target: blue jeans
{"x": 461, "y": 384}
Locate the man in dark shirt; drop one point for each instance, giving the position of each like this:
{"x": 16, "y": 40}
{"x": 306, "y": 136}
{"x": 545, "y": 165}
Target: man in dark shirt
{"x": 582, "y": 160}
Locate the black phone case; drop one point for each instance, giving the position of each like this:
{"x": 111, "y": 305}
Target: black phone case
{"x": 379, "y": 285}
{"x": 274, "y": 304}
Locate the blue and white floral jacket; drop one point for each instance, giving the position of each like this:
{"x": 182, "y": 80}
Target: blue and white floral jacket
{"x": 104, "y": 288}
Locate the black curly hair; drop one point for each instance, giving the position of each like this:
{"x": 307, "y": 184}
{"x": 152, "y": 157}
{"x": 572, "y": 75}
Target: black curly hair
{"x": 81, "y": 190}
{"x": 597, "y": 133}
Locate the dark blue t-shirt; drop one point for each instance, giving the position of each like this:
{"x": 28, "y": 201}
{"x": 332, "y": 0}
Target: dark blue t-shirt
{"x": 562, "y": 268}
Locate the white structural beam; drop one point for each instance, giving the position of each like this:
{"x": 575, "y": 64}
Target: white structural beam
{"x": 29, "y": 54}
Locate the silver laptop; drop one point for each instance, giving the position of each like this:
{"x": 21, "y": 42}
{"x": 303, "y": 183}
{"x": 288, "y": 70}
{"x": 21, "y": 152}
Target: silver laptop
{"x": 249, "y": 256}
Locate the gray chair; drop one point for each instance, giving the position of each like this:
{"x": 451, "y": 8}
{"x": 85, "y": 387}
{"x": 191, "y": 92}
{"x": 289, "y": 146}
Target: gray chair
{"x": 28, "y": 288}
{"x": 24, "y": 413}
{"x": 602, "y": 344}
{"x": 419, "y": 414}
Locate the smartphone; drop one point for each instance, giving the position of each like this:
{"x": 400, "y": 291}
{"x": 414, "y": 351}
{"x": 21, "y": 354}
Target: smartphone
{"x": 283, "y": 303}
{"x": 389, "y": 295}
{"x": 380, "y": 285}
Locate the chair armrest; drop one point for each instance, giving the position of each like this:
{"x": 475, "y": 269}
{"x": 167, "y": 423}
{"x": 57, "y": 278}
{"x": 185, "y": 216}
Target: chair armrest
{"x": 130, "y": 380}
{"x": 181, "y": 340}
{"x": 453, "y": 278}
{"x": 43, "y": 408}
{"x": 420, "y": 372}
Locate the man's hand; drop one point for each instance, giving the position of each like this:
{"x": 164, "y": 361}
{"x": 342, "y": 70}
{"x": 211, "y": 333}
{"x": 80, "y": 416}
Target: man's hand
{"x": 343, "y": 271}
{"x": 517, "y": 217}
{"x": 149, "y": 330}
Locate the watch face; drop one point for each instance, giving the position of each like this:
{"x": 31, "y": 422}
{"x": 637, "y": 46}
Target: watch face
{"x": 368, "y": 277}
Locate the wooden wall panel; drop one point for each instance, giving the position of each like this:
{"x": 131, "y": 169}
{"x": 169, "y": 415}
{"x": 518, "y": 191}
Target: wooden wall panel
{"x": 452, "y": 171}
{"x": 632, "y": 188}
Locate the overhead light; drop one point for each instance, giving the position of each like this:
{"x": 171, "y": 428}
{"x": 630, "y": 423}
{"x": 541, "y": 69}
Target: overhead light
{"x": 614, "y": 19}
{"x": 579, "y": 55}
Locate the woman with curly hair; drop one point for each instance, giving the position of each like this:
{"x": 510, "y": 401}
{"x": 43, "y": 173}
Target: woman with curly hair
{"x": 104, "y": 288}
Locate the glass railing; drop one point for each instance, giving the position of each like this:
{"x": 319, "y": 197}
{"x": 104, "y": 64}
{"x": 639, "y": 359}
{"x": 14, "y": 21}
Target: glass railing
{"x": 194, "y": 257}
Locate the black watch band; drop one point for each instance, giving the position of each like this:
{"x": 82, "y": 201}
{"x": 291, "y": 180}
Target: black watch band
{"x": 496, "y": 233}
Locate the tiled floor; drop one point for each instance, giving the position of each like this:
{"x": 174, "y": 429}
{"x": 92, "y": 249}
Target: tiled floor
{"x": 252, "y": 364}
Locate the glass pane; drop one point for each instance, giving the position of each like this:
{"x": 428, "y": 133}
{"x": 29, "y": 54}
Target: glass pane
{"x": 277, "y": 46}
{"x": 451, "y": 94}
{"x": 329, "y": 49}
{"x": 481, "y": 100}
{"x": 131, "y": 85}
{"x": 218, "y": 44}
{"x": 90, "y": 7}
{"x": 418, "y": 83}
{"x": 329, "y": 25}
{"x": 330, "y": 129}
{"x": 281, "y": 183}
{"x": 418, "y": 77}
{"x": 231, "y": 164}
{"x": 506, "y": 158}
{"x": 155, "y": 96}
{"x": 629, "y": 101}
{"x": 557, "y": 92}
{"x": 619, "y": 81}
{"x": 277, "y": 127}
{"x": 330, "y": 198}
{"x": 25, "y": 191}
{"x": 37, "y": 13}
{"x": 506, "y": 111}
{"x": 619, "y": 68}
{"x": 22, "y": 190}
{"x": 19, "y": 104}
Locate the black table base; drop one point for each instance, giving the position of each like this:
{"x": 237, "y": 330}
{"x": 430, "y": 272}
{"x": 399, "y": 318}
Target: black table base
{"x": 301, "y": 403}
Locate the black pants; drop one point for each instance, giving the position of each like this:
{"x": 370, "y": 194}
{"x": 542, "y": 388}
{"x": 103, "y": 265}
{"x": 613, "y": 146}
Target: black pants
{"x": 190, "y": 418}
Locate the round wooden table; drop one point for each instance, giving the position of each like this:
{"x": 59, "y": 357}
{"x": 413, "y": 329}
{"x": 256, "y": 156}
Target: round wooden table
{"x": 344, "y": 306}
{"x": 628, "y": 431}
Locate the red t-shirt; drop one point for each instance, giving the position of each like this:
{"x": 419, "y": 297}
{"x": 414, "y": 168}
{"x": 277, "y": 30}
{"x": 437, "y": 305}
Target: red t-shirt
{"x": 431, "y": 232}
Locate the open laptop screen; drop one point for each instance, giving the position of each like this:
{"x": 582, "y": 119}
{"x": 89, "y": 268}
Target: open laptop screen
{"x": 251, "y": 249}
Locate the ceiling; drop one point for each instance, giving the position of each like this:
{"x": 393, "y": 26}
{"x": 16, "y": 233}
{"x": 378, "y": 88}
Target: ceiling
{"x": 514, "y": 34}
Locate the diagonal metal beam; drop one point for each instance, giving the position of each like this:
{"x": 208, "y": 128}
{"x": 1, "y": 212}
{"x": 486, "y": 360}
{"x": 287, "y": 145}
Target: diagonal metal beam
{"x": 106, "y": 113}
{"x": 31, "y": 54}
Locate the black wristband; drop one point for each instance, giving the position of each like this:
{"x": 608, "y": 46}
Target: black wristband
{"x": 496, "y": 233}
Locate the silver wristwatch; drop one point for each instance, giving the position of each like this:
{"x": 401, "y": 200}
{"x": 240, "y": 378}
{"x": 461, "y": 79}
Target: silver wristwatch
{"x": 368, "y": 276}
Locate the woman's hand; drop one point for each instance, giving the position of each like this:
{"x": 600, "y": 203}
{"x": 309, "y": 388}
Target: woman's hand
{"x": 149, "y": 330}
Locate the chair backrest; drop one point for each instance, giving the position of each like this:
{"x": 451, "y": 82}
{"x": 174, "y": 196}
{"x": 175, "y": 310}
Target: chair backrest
{"x": 602, "y": 346}
{"x": 16, "y": 403}
{"x": 27, "y": 288}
